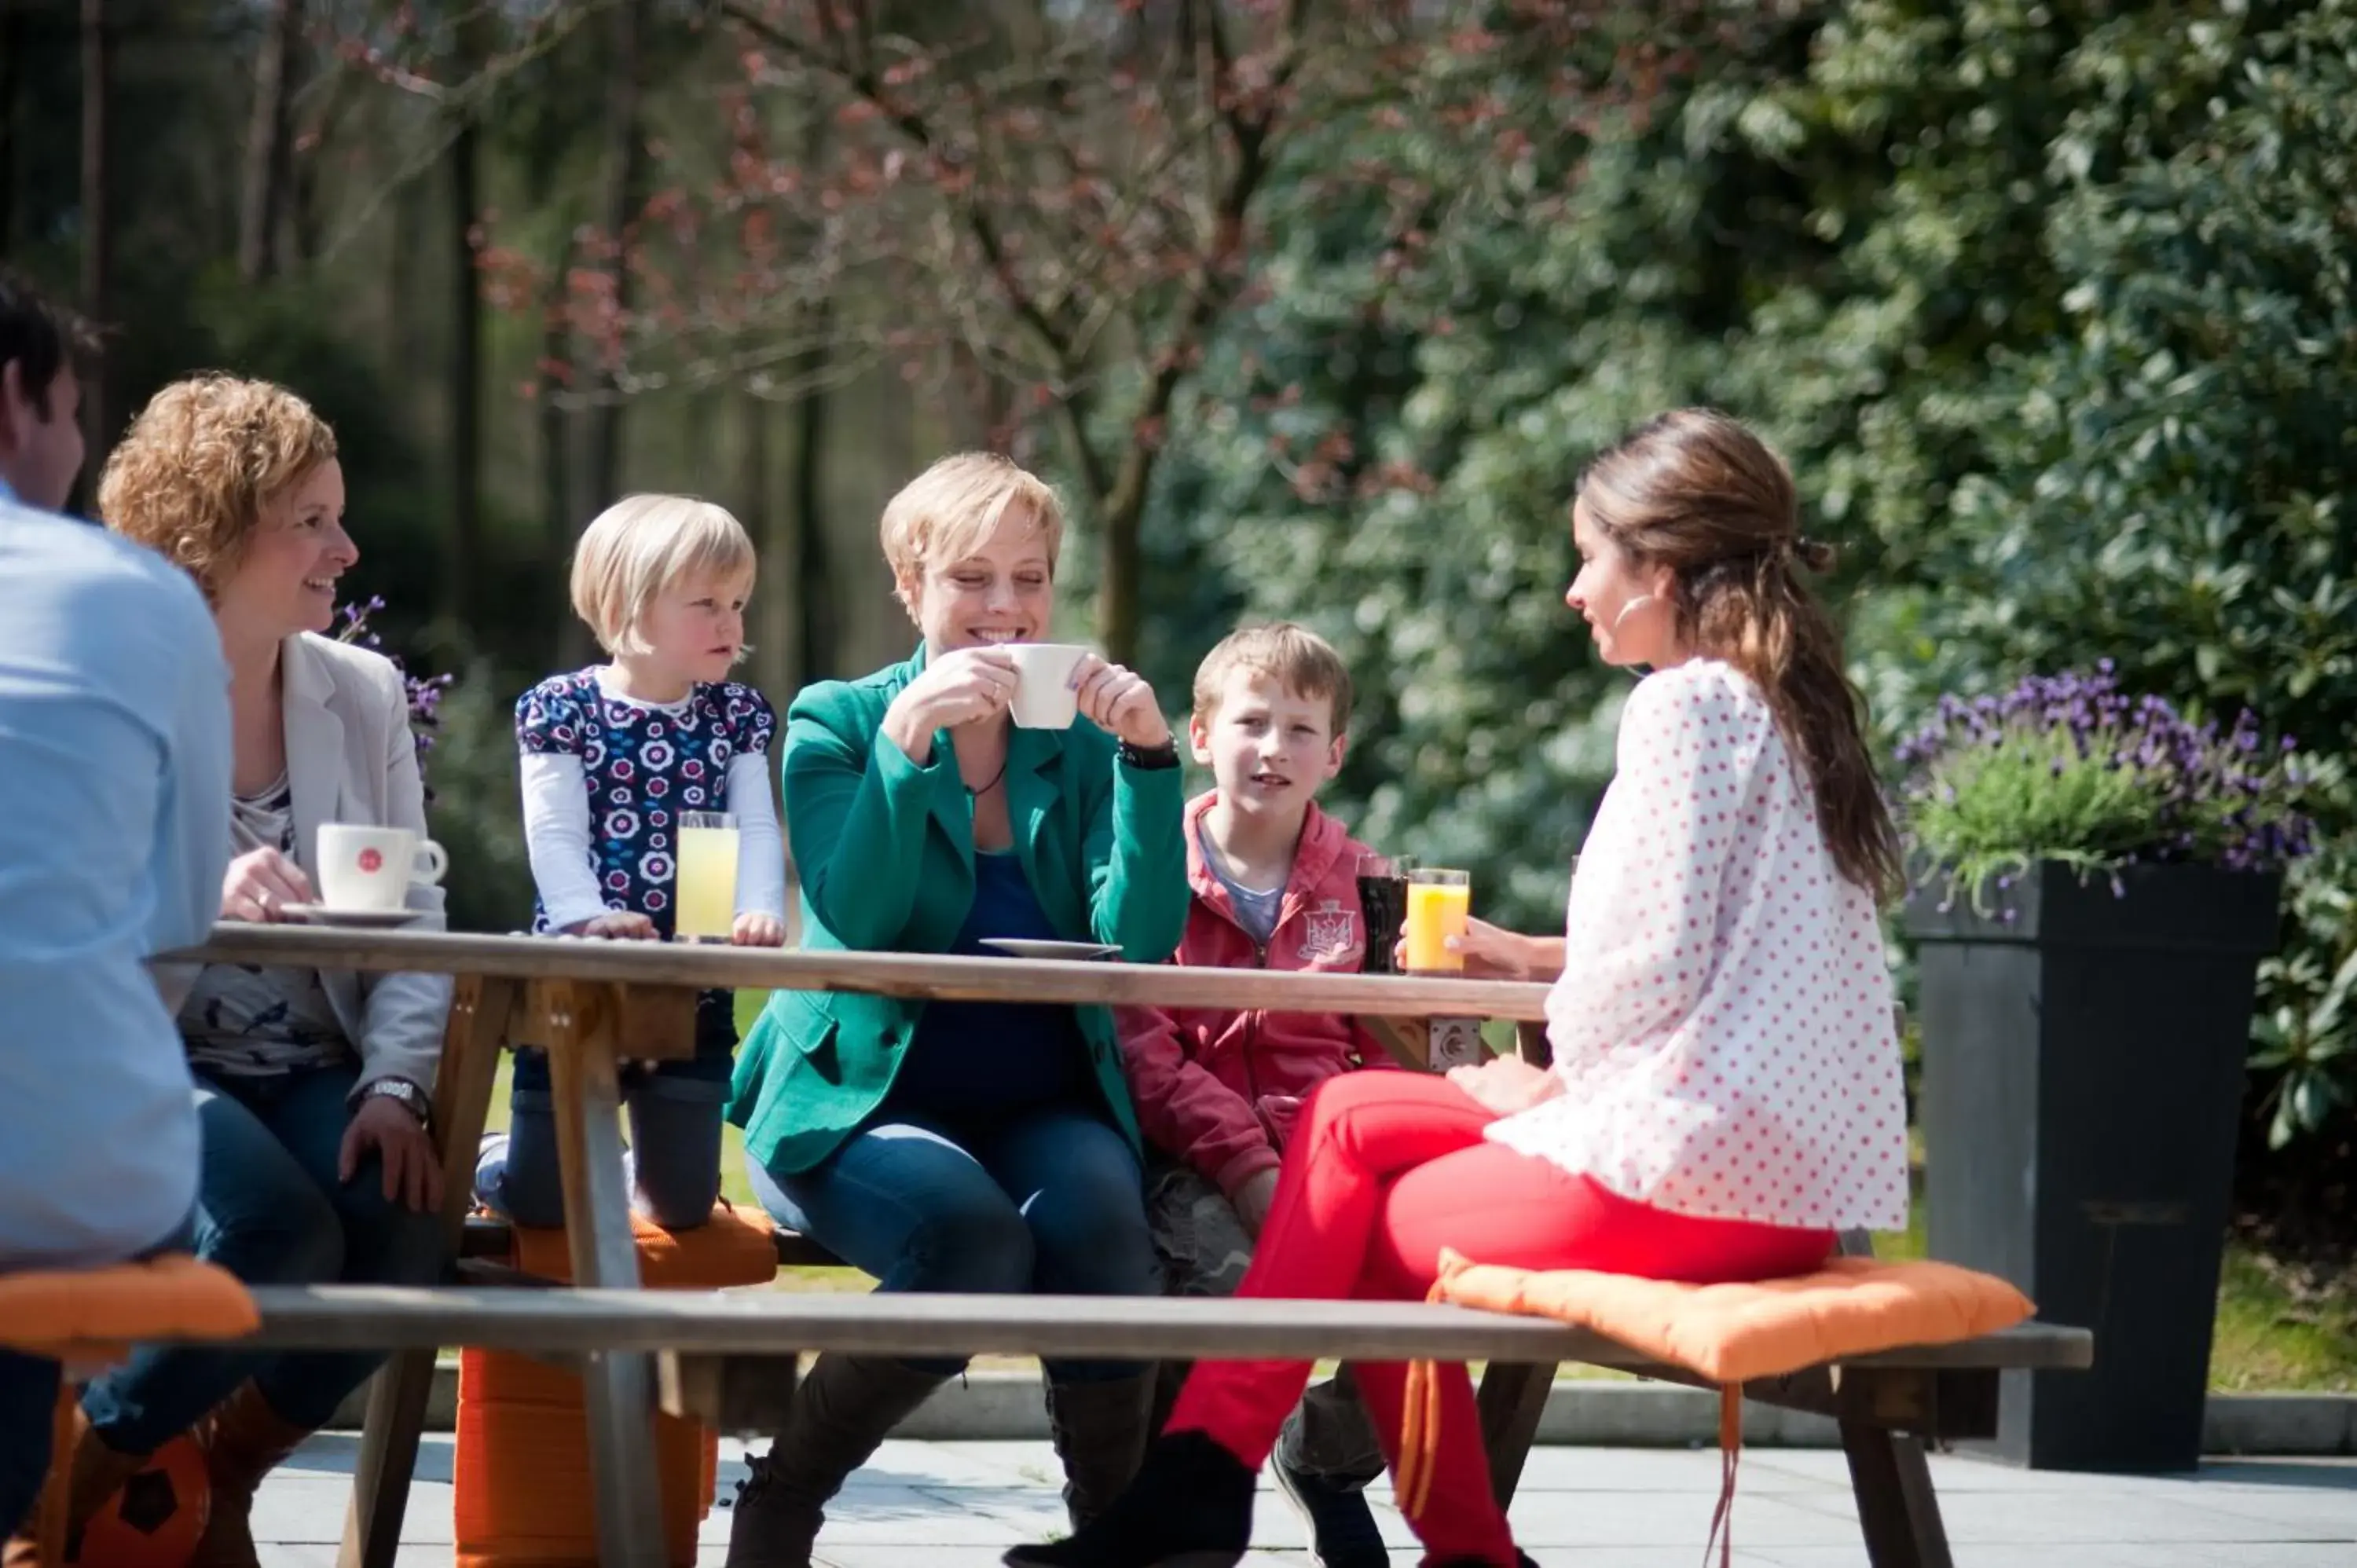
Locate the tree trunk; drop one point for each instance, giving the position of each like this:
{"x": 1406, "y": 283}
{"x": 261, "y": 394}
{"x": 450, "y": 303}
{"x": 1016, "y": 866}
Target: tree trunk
{"x": 557, "y": 450}
{"x": 468, "y": 565}
{"x": 1123, "y": 563}
{"x": 99, "y": 422}
{"x": 813, "y": 567}
{"x": 323, "y": 120}
{"x": 12, "y": 51}
{"x": 771, "y": 618}
{"x": 625, "y": 158}
{"x": 269, "y": 151}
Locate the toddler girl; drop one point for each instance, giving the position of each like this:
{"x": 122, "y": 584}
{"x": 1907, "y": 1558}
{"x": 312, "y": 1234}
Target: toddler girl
{"x": 612, "y": 754}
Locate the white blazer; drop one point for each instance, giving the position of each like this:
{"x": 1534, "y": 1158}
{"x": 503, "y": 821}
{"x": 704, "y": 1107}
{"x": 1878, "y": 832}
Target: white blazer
{"x": 351, "y": 757}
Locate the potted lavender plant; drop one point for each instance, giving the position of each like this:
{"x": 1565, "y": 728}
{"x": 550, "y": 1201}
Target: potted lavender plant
{"x": 2097, "y": 879}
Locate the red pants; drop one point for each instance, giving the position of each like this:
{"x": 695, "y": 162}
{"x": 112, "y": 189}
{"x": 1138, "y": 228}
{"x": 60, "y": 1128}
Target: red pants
{"x": 1387, "y": 1168}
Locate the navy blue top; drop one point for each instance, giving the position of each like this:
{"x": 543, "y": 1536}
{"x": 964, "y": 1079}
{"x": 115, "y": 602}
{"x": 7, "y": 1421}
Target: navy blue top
{"x": 984, "y": 1059}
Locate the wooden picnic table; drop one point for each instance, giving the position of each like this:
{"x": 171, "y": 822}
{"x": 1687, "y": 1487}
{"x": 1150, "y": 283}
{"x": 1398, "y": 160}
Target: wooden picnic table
{"x": 593, "y": 1005}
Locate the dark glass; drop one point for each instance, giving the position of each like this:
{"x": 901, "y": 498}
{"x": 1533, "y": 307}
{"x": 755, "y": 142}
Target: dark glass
{"x": 1382, "y": 901}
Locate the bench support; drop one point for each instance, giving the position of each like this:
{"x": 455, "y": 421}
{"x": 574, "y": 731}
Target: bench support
{"x": 1898, "y": 1511}
{"x": 396, "y": 1408}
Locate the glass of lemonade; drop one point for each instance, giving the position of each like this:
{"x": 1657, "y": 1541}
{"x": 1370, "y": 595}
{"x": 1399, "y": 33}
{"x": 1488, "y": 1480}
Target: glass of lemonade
{"x": 706, "y": 890}
{"x": 1438, "y": 903}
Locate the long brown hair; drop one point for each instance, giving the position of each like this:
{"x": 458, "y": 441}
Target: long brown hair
{"x": 1694, "y": 491}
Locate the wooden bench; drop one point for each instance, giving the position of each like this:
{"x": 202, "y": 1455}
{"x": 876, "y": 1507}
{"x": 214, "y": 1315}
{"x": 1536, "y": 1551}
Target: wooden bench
{"x": 1512, "y": 1394}
{"x": 1888, "y": 1406}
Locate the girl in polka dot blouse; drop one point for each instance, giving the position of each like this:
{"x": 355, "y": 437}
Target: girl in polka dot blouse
{"x": 611, "y": 755}
{"x": 1724, "y": 1096}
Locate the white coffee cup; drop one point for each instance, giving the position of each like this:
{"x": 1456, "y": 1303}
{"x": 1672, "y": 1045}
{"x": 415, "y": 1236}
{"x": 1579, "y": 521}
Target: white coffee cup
{"x": 1044, "y": 695}
{"x": 365, "y": 867}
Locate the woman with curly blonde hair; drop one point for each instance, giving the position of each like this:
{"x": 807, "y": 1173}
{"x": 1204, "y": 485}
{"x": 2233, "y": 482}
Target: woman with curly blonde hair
{"x": 311, "y": 1085}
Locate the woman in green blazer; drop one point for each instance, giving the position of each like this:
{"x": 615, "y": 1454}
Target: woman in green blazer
{"x": 961, "y": 1146}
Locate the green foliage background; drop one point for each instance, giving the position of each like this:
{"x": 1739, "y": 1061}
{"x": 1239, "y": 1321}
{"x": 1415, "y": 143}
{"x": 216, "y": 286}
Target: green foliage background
{"x": 2050, "y": 305}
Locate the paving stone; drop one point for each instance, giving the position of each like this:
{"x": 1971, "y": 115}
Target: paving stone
{"x": 959, "y": 1505}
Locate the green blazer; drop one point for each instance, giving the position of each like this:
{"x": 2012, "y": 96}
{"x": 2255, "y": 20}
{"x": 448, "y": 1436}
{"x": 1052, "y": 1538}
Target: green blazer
{"x": 886, "y": 853}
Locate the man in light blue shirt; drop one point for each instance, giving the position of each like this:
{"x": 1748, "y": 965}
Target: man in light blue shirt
{"x": 115, "y": 811}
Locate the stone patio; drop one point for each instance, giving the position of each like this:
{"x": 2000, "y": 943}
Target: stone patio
{"x": 958, "y": 1505}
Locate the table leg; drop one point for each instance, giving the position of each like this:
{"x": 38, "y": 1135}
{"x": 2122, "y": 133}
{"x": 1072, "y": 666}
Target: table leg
{"x": 480, "y": 1013}
{"x": 1513, "y": 1397}
{"x": 619, "y": 1389}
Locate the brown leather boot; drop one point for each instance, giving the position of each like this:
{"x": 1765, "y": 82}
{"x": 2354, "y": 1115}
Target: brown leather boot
{"x": 97, "y": 1473}
{"x": 842, "y": 1411}
{"x": 1100, "y": 1431}
{"x": 244, "y": 1440}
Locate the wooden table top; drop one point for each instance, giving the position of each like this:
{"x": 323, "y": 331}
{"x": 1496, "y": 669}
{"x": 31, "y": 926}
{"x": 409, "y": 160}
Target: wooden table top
{"x": 937, "y": 977}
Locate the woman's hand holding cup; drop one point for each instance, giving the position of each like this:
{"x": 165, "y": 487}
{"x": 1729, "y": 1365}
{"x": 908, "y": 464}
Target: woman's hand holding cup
{"x": 960, "y": 686}
{"x": 1118, "y": 701}
{"x": 260, "y": 884}
{"x": 1491, "y": 952}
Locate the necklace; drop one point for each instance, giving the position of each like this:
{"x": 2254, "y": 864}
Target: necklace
{"x": 979, "y": 791}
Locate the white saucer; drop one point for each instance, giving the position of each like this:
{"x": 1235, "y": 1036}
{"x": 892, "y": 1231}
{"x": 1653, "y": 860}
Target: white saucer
{"x": 362, "y": 919}
{"x": 1025, "y": 946}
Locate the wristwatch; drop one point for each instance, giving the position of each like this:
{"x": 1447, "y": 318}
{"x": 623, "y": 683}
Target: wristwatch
{"x": 1150, "y": 756}
{"x": 413, "y": 1099}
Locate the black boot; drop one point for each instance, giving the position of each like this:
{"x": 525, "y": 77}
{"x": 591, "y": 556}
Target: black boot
{"x": 1191, "y": 1507}
{"x": 1342, "y": 1529}
{"x": 841, "y": 1412}
{"x": 1100, "y": 1429}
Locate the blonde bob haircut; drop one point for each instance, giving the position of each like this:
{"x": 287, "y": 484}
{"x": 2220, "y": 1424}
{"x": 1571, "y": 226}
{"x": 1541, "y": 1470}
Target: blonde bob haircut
{"x": 944, "y": 514}
{"x": 191, "y": 475}
{"x": 643, "y": 545}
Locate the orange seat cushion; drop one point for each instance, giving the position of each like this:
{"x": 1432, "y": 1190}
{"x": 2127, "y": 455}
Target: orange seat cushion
{"x": 1732, "y": 1333}
{"x": 733, "y": 1248}
{"x": 82, "y": 1313}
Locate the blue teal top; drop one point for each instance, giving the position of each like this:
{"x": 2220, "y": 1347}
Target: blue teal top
{"x": 969, "y": 1059}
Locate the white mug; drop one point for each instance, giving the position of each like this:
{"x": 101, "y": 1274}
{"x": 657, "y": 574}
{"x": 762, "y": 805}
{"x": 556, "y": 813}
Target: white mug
{"x": 363, "y": 867}
{"x": 1044, "y": 694}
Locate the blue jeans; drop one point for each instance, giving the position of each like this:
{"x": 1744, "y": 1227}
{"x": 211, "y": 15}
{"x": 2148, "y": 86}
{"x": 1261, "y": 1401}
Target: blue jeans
{"x": 28, "y": 1392}
{"x": 271, "y": 1210}
{"x": 1048, "y": 1200}
{"x": 28, "y": 1396}
{"x": 674, "y": 1110}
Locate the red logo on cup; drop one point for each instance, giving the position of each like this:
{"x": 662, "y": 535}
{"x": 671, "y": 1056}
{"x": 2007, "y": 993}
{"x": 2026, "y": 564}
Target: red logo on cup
{"x": 371, "y": 861}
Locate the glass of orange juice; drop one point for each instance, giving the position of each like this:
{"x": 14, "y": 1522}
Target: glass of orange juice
{"x": 1439, "y": 902}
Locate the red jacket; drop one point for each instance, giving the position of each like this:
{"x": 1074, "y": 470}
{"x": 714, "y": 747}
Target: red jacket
{"x": 1219, "y": 1089}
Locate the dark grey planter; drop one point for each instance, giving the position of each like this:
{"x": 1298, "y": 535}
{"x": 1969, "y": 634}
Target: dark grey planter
{"x": 2082, "y": 1078}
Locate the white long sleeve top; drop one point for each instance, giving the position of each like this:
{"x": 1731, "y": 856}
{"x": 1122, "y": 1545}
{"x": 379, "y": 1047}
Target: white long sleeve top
{"x": 602, "y": 772}
{"x": 1723, "y": 1022}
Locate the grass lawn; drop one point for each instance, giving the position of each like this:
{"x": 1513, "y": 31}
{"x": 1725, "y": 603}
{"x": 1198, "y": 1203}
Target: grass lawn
{"x": 2280, "y": 1325}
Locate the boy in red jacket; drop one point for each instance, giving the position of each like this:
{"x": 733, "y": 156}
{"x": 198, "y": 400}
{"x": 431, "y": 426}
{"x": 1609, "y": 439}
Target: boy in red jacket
{"x": 1276, "y": 886}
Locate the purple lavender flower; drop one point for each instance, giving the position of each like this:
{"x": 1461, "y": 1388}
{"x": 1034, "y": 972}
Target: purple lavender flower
{"x": 425, "y": 693}
{"x": 2069, "y": 767}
